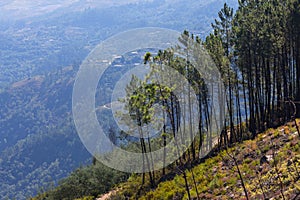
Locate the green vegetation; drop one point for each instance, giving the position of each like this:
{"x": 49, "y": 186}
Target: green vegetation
{"x": 257, "y": 51}
{"x": 86, "y": 181}
{"x": 217, "y": 177}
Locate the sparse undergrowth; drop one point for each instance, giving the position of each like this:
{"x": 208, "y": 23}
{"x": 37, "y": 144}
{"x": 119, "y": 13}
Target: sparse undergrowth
{"x": 269, "y": 164}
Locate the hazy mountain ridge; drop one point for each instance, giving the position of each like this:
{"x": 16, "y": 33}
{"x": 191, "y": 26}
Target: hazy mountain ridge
{"x": 33, "y": 8}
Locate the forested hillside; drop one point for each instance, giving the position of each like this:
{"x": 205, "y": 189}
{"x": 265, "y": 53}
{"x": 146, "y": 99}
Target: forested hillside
{"x": 42, "y": 46}
{"x": 257, "y": 52}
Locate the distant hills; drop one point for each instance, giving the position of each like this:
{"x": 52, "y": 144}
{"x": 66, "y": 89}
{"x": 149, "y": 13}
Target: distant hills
{"x": 42, "y": 46}
{"x": 35, "y": 8}
{"x": 29, "y": 8}
{"x": 45, "y": 38}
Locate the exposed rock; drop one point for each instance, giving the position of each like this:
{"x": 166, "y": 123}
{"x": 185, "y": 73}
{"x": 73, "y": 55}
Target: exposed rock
{"x": 264, "y": 160}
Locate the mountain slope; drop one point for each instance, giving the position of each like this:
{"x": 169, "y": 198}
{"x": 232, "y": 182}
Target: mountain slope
{"x": 268, "y": 165}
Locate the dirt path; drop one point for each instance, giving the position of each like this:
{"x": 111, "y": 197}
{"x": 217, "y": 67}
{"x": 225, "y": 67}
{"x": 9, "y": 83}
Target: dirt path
{"x": 107, "y": 195}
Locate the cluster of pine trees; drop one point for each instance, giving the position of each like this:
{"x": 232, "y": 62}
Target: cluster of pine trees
{"x": 260, "y": 45}
{"x": 257, "y": 49}
{"x": 257, "y": 52}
